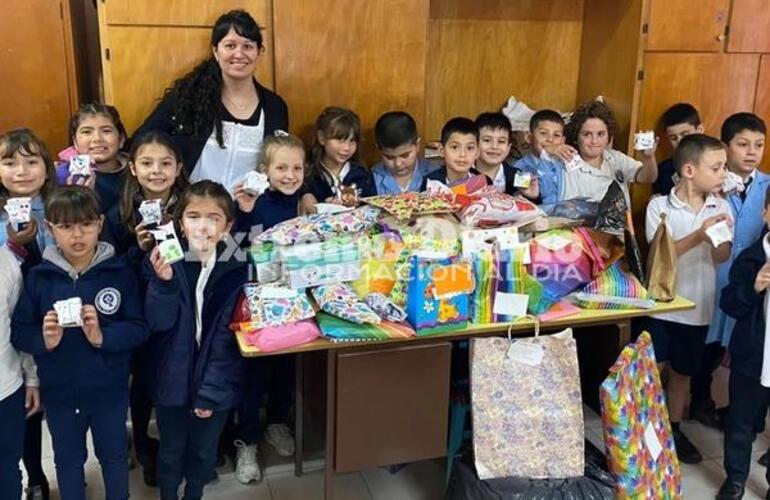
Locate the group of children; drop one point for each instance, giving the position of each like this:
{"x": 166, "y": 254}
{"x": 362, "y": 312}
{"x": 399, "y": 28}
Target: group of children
{"x": 167, "y": 324}
{"x": 726, "y": 280}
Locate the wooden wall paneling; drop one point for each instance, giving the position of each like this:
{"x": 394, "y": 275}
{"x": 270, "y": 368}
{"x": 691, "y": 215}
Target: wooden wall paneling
{"x": 716, "y": 84}
{"x": 684, "y": 25}
{"x": 610, "y": 59}
{"x": 749, "y": 26}
{"x": 144, "y": 60}
{"x": 178, "y": 12}
{"x": 39, "y": 79}
{"x": 480, "y": 52}
{"x": 762, "y": 103}
{"x": 372, "y": 65}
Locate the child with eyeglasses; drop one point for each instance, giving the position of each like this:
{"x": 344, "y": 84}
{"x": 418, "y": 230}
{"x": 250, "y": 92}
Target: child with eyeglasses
{"x": 80, "y": 315}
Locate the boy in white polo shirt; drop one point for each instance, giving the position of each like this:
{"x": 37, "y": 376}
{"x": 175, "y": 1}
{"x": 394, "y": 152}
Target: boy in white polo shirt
{"x": 690, "y": 209}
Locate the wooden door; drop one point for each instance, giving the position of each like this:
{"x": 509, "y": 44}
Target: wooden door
{"x": 480, "y": 52}
{"x": 687, "y": 25}
{"x": 707, "y": 81}
{"x": 749, "y": 26}
{"x": 762, "y": 103}
{"x": 367, "y": 56}
{"x": 146, "y": 45}
{"x": 37, "y": 69}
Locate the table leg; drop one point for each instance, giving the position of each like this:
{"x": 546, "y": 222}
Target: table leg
{"x": 299, "y": 412}
{"x": 624, "y": 333}
{"x": 331, "y": 424}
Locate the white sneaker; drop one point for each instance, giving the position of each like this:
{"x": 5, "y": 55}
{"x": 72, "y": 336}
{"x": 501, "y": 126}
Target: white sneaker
{"x": 279, "y": 436}
{"x": 246, "y": 464}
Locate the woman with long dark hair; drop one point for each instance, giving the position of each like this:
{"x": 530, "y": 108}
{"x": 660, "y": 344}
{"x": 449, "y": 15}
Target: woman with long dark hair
{"x": 218, "y": 114}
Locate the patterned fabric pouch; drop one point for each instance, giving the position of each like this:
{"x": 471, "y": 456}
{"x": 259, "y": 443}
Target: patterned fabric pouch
{"x": 527, "y": 410}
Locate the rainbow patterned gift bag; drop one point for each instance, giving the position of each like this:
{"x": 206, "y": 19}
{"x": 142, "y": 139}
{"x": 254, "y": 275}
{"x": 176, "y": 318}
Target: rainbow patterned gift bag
{"x": 637, "y": 434}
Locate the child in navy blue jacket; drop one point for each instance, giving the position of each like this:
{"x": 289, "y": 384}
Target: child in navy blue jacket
{"x": 196, "y": 361}
{"x": 745, "y": 299}
{"x": 83, "y": 363}
{"x": 334, "y": 158}
{"x": 155, "y": 172}
{"x": 283, "y": 161}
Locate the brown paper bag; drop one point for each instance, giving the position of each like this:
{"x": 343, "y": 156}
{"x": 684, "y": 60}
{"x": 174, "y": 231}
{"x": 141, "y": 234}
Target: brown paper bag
{"x": 661, "y": 264}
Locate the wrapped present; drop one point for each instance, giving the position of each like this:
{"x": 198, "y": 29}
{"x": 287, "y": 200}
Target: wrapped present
{"x": 262, "y": 306}
{"x": 564, "y": 260}
{"x": 637, "y": 432}
{"x": 414, "y": 243}
{"x": 339, "y": 330}
{"x": 385, "y": 307}
{"x": 338, "y": 299}
{"x": 498, "y": 208}
{"x": 614, "y": 289}
{"x": 320, "y": 227}
{"x": 526, "y": 407}
{"x": 275, "y": 338}
{"x": 378, "y": 254}
{"x": 438, "y": 293}
{"x": 312, "y": 264}
{"x": 264, "y": 258}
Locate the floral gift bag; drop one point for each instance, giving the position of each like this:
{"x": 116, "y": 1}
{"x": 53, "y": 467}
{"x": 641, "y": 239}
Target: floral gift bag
{"x": 527, "y": 409}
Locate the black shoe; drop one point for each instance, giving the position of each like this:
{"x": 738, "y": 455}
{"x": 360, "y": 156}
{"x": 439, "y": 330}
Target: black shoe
{"x": 730, "y": 490}
{"x": 685, "y": 450}
{"x": 764, "y": 459}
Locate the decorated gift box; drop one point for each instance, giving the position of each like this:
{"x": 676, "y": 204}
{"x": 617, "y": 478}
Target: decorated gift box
{"x": 332, "y": 261}
{"x": 438, "y": 293}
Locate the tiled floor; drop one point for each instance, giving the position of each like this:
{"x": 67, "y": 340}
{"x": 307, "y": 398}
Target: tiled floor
{"x": 424, "y": 480}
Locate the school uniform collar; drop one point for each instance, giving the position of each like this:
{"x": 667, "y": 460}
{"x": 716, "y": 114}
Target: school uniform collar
{"x": 673, "y": 199}
{"x": 333, "y": 180}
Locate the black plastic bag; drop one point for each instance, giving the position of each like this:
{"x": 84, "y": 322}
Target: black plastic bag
{"x": 596, "y": 484}
{"x": 611, "y": 218}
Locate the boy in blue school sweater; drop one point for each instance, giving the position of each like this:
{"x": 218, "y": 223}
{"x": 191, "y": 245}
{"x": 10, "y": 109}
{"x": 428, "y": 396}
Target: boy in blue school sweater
{"x": 548, "y": 154}
{"x": 745, "y": 300}
{"x": 401, "y": 169}
{"x": 83, "y": 355}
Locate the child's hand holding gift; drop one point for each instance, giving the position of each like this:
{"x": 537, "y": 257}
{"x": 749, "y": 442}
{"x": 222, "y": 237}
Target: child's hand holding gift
{"x": 163, "y": 269}
{"x": 52, "y": 331}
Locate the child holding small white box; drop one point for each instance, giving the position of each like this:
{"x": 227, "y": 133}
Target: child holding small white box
{"x": 80, "y": 315}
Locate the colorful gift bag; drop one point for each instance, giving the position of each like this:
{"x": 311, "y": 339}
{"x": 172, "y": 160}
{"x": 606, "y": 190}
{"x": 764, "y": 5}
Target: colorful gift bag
{"x": 526, "y": 407}
{"x": 637, "y": 433}
{"x": 437, "y": 298}
{"x": 338, "y": 299}
{"x": 564, "y": 260}
{"x": 614, "y": 289}
{"x": 414, "y": 243}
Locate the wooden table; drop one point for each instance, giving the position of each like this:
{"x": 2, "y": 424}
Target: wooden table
{"x": 334, "y": 350}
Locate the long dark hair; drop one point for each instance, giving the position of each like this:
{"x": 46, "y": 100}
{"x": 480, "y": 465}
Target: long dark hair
{"x": 196, "y": 96}
{"x": 26, "y": 143}
{"x": 132, "y": 190}
{"x": 334, "y": 123}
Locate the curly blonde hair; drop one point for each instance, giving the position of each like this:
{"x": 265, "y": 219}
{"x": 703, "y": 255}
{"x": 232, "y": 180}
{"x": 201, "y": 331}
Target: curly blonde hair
{"x": 590, "y": 109}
